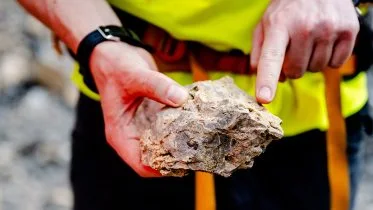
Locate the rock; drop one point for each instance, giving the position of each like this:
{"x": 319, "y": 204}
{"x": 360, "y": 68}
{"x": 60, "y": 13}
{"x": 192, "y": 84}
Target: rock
{"x": 35, "y": 129}
{"x": 219, "y": 129}
{"x": 13, "y": 70}
{"x": 60, "y": 197}
{"x": 6, "y": 157}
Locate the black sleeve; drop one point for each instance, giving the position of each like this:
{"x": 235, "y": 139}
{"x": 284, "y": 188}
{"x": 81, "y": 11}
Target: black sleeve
{"x": 362, "y": 1}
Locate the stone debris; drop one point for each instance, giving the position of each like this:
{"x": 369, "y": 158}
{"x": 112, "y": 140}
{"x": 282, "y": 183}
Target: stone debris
{"x": 219, "y": 129}
{"x": 35, "y": 151}
{"x": 35, "y": 120}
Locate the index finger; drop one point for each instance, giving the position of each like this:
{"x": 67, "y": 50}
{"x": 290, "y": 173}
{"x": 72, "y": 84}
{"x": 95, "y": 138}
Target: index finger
{"x": 270, "y": 63}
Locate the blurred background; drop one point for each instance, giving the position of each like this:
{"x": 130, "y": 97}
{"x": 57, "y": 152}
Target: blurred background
{"x": 37, "y": 103}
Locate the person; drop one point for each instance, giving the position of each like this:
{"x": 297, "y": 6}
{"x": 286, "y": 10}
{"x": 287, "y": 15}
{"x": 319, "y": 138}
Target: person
{"x": 298, "y": 40}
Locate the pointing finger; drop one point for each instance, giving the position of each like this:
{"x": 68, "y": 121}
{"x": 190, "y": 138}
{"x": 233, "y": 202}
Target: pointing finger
{"x": 270, "y": 63}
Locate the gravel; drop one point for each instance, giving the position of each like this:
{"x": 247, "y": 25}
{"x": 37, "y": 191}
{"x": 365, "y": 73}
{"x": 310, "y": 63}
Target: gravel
{"x": 34, "y": 151}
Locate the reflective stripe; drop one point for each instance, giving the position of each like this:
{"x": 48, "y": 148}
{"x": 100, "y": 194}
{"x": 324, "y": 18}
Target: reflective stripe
{"x": 77, "y": 79}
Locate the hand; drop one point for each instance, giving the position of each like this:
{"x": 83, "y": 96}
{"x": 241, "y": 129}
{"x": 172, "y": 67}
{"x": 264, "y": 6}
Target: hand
{"x": 124, "y": 75}
{"x": 294, "y": 36}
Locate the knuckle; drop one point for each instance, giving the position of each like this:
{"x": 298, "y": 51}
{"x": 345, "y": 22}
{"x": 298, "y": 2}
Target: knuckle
{"x": 347, "y": 35}
{"x": 272, "y": 55}
{"x": 269, "y": 78}
{"x": 350, "y": 31}
{"x": 274, "y": 19}
{"x": 305, "y": 32}
{"x": 326, "y": 29}
{"x": 305, "y": 28}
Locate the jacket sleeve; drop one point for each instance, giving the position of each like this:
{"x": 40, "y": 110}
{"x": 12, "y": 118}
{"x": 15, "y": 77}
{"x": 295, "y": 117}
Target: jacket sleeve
{"x": 356, "y": 2}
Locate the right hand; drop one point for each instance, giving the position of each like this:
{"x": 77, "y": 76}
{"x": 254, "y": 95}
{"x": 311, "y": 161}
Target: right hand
{"x": 295, "y": 36}
{"x": 124, "y": 75}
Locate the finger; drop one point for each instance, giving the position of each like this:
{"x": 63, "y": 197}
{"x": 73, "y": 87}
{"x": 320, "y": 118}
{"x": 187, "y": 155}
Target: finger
{"x": 118, "y": 131}
{"x": 297, "y": 56}
{"x": 344, "y": 45}
{"x": 156, "y": 86}
{"x": 321, "y": 56}
{"x": 270, "y": 63}
{"x": 342, "y": 51}
{"x": 257, "y": 45}
{"x": 129, "y": 151}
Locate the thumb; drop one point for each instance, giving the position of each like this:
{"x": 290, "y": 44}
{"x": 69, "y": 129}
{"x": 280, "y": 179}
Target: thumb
{"x": 158, "y": 87}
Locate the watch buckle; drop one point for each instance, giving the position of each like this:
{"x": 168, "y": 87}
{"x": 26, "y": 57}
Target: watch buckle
{"x": 105, "y": 33}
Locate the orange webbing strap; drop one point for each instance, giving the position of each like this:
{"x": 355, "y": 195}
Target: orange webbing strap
{"x": 336, "y": 140}
{"x": 199, "y": 74}
{"x": 204, "y": 182}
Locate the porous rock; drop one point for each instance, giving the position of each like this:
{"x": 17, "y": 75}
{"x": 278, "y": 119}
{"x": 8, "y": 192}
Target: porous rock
{"x": 219, "y": 129}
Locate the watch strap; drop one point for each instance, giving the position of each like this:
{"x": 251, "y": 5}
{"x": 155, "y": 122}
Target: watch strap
{"x": 101, "y": 34}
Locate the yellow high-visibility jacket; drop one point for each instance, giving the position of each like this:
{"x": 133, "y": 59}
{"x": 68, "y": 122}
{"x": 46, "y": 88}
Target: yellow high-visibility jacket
{"x": 224, "y": 25}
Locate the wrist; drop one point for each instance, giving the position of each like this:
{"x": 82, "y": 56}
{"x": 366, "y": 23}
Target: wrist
{"x": 102, "y": 60}
{"x": 72, "y": 20}
{"x": 102, "y": 34}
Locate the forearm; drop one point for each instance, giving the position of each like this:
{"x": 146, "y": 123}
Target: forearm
{"x": 71, "y": 20}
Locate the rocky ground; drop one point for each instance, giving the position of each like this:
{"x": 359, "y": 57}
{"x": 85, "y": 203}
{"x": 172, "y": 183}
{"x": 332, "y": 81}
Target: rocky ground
{"x": 365, "y": 194}
{"x": 36, "y": 117}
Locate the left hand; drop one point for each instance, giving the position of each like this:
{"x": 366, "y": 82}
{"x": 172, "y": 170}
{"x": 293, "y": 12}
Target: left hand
{"x": 295, "y": 36}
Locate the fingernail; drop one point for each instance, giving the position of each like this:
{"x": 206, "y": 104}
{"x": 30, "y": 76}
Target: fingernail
{"x": 265, "y": 93}
{"x": 177, "y": 95}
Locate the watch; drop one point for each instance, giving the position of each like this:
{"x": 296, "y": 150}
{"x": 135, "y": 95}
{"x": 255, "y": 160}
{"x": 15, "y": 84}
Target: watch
{"x": 102, "y": 34}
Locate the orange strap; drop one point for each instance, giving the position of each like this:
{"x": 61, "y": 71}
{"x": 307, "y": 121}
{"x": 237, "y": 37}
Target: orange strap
{"x": 204, "y": 182}
{"x": 336, "y": 140}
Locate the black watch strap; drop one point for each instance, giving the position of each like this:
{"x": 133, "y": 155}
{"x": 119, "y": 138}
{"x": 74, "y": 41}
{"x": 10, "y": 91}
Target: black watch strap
{"x": 101, "y": 34}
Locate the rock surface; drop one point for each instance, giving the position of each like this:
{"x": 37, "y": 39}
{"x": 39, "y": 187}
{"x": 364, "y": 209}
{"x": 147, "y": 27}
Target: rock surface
{"x": 219, "y": 129}
{"x": 35, "y": 122}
